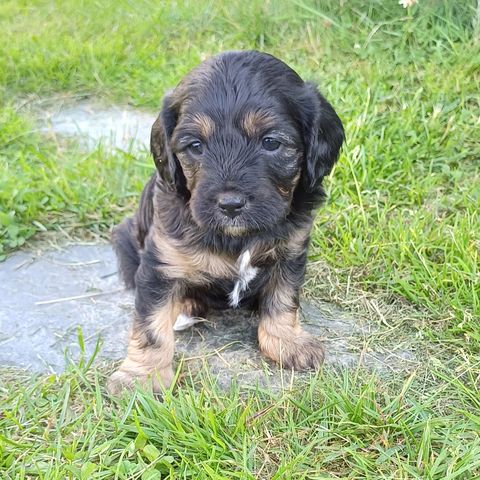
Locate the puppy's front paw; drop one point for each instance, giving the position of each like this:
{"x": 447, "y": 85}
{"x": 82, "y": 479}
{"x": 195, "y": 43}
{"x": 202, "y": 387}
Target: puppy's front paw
{"x": 300, "y": 352}
{"x": 123, "y": 380}
{"x": 120, "y": 381}
{"x": 304, "y": 353}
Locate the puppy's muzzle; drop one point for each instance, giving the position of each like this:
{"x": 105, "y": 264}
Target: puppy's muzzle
{"x": 231, "y": 204}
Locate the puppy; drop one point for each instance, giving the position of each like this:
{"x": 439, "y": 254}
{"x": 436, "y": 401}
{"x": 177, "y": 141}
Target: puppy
{"x": 241, "y": 147}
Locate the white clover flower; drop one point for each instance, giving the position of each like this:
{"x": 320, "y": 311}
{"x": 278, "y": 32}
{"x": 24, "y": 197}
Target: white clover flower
{"x": 407, "y": 3}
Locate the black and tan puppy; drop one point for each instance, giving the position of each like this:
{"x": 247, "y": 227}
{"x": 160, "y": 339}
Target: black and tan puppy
{"x": 241, "y": 147}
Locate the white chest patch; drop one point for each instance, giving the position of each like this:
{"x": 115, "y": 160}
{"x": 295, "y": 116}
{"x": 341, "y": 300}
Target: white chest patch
{"x": 246, "y": 273}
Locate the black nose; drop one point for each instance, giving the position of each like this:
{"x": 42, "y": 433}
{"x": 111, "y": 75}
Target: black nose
{"x": 231, "y": 204}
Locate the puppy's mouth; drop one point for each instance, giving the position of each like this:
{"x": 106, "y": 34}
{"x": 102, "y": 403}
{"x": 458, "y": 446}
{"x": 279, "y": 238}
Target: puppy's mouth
{"x": 235, "y": 230}
{"x": 234, "y": 227}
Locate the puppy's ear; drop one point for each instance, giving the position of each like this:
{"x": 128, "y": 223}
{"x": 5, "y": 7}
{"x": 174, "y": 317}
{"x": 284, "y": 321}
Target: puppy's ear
{"x": 165, "y": 160}
{"x": 323, "y": 136}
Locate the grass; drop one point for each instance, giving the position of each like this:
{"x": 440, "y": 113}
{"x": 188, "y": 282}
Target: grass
{"x": 398, "y": 241}
{"x": 336, "y": 426}
{"x": 47, "y": 187}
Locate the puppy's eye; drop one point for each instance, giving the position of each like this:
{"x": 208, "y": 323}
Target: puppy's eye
{"x": 195, "y": 147}
{"x": 270, "y": 144}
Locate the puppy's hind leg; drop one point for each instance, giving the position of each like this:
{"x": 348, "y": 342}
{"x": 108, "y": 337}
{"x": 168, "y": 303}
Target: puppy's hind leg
{"x": 128, "y": 238}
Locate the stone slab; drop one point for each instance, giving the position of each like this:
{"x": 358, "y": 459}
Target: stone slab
{"x": 47, "y": 297}
{"x": 91, "y": 123}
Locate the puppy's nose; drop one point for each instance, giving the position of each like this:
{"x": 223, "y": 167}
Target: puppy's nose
{"x": 231, "y": 204}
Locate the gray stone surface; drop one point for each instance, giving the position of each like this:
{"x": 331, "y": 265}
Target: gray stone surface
{"x": 115, "y": 126}
{"x": 46, "y": 297}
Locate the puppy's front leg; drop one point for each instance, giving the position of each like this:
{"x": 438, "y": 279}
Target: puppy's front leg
{"x": 150, "y": 352}
{"x": 280, "y": 334}
{"x": 151, "y": 346}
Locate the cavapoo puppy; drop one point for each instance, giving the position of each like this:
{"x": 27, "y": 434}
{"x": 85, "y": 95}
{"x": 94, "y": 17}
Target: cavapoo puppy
{"x": 241, "y": 147}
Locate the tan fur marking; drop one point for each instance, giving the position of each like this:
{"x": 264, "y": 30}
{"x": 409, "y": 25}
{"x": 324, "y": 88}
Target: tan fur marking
{"x": 192, "y": 264}
{"x": 263, "y": 252}
{"x": 272, "y": 332}
{"x": 190, "y": 171}
{"x": 256, "y": 122}
{"x": 235, "y": 231}
{"x": 296, "y": 242}
{"x": 204, "y": 124}
{"x": 193, "y": 308}
{"x": 287, "y": 192}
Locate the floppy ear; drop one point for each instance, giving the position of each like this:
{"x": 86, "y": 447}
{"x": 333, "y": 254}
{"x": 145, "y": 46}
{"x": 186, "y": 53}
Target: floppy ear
{"x": 165, "y": 160}
{"x": 323, "y": 137}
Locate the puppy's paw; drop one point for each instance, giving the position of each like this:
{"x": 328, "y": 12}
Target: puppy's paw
{"x": 300, "y": 352}
{"x": 304, "y": 353}
{"x": 120, "y": 381}
{"x": 124, "y": 380}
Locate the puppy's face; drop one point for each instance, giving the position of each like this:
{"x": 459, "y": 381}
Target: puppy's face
{"x": 241, "y": 160}
{"x": 237, "y": 133}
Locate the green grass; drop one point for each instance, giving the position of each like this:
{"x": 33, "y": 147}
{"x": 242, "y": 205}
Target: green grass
{"x": 47, "y": 187}
{"x": 336, "y": 426}
{"x": 398, "y": 241}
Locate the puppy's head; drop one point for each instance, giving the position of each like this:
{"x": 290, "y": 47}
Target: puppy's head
{"x": 242, "y": 133}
